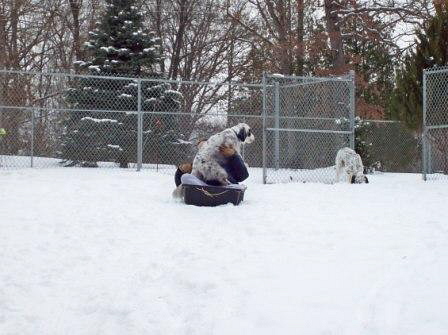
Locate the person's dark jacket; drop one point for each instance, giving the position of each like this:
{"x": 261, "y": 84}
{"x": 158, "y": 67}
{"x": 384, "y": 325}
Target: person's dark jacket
{"x": 233, "y": 164}
{"x": 236, "y": 169}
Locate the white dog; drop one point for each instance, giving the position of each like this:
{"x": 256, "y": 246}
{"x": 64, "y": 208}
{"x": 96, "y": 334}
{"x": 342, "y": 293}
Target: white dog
{"x": 350, "y": 163}
{"x": 208, "y": 160}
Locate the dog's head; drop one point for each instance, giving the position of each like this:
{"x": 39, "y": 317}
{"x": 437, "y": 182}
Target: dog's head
{"x": 359, "y": 179}
{"x": 243, "y": 133}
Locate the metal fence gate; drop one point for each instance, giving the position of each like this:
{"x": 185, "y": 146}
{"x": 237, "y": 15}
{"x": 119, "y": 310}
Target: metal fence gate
{"x": 435, "y": 123}
{"x": 307, "y": 120}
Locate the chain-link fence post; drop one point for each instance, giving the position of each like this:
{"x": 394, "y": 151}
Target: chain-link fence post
{"x": 243, "y": 146}
{"x": 264, "y": 127}
{"x": 139, "y": 125}
{"x": 277, "y": 125}
{"x": 429, "y": 166}
{"x": 352, "y": 109}
{"x": 424, "y": 131}
{"x": 32, "y": 138}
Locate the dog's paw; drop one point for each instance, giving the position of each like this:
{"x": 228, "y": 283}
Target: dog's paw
{"x": 227, "y": 150}
{"x": 186, "y": 167}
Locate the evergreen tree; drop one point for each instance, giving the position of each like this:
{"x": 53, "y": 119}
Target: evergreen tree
{"x": 374, "y": 66}
{"x": 431, "y": 50}
{"x": 120, "y": 47}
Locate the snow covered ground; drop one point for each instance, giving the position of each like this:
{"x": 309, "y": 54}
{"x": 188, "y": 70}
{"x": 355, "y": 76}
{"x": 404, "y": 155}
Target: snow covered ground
{"x": 107, "y": 251}
{"x": 323, "y": 175}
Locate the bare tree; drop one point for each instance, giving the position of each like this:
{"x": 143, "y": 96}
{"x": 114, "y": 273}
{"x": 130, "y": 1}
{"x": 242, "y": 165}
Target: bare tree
{"x": 75, "y": 7}
{"x": 201, "y": 43}
{"x": 278, "y": 27}
{"x": 37, "y": 35}
{"x": 374, "y": 17}
{"x": 24, "y": 33}
{"x": 332, "y": 21}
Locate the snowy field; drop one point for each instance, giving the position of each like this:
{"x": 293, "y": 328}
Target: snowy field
{"x": 107, "y": 251}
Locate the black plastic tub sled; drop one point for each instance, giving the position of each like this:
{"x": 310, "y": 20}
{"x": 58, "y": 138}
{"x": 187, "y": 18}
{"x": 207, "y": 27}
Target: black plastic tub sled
{"x": 198, "y": 193}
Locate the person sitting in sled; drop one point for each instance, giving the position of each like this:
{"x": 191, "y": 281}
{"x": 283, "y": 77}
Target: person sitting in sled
{"x": 234, "y": 165}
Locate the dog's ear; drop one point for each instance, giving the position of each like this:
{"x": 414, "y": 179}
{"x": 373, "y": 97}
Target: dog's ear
{"x": 242, "y": 134}
{"x": 352, "y": 181}
{"x": 366, "y": 179}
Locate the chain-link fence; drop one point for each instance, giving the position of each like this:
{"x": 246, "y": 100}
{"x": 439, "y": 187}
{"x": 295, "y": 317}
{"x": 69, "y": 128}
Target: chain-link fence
{"x": 54, "y": 119}
{"x": 308, "y": 120}
{"x": 387, "y": 146}
{"x": 435, "y": 123}
{"x": 68, "y": 120}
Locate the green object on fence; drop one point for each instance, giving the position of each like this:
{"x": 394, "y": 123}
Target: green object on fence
{"x": 2, "y": 132}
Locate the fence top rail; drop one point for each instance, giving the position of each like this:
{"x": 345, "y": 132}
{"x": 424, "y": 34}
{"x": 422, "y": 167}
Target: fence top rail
{"x": 346, "y": 77}
{"x": 173, "y": 81}
{"x": 7, "y": 109}
{"x": 63, "y": 74}
{"x": 205, "y": 83}
{"x": 436, "y": 69}
{"x": 440, "y": 126}
{"x": 382, "y": 121}
{"x": 77, "y": 110}
{"x": 315, "y": 82}
{"x": 307, "y": 130}
{"x": 307, "y": 79}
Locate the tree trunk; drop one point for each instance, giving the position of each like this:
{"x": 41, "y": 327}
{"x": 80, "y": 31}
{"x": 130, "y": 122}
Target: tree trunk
{"x": 334, "y": 33}
{"x": 178, "y": 42}
{"x": 158, "y": 27}
{"x": 300, "y": 38}
{"x": 75, "y": 6}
